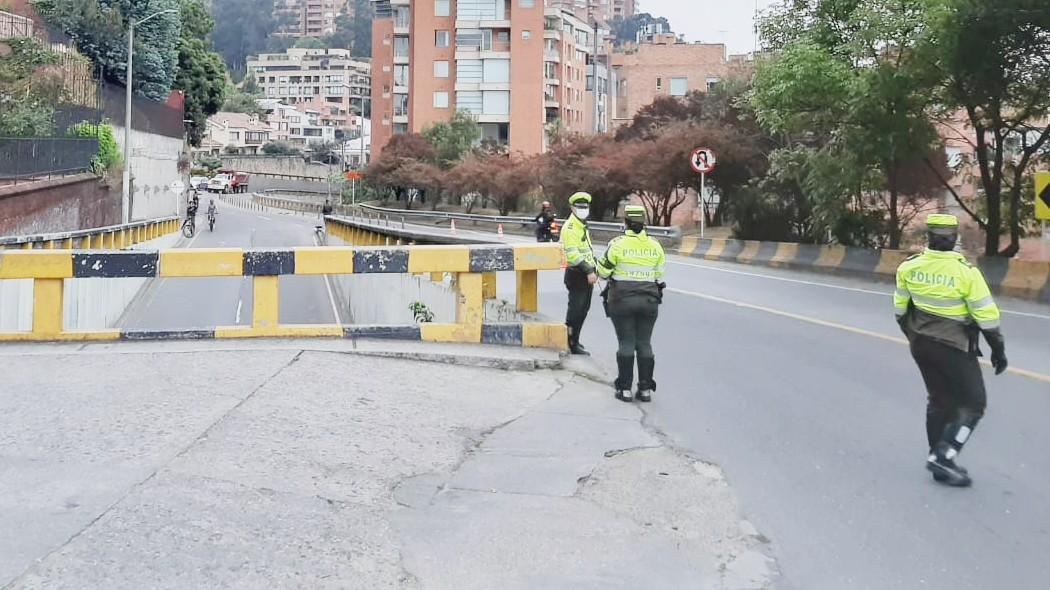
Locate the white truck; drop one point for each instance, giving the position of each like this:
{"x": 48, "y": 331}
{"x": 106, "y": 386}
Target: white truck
{"x": 221, "y": 183}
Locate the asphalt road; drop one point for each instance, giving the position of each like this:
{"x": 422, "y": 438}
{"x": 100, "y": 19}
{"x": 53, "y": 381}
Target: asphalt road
{"x": 798, "y": 385}
{"x": 206, "y": 303}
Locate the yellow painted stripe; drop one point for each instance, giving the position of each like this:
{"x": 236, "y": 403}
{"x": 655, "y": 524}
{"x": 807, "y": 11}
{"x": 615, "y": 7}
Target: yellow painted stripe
{"x": 837, "y": 326}
{"x": 551, "y": 336}
{"x": 1025, "y": 277}
{"x": 538, "y": 257}
{"x": 716, "y": 249}
{"x": 831, "y": 256}
{"x": 35, "y": 264}
{"x": 459, "y": 333}
{"x": 324, "y": 261}
{"x": 785, "y": 254}
{"x": 439, "y": 259}
{"x": 749, "y": 252}
{"x": 889, "y": 260}
{"x": 298, "y": 331}
{"x": 201, "y": 263}
{"x": 75, "y": 336}
{"x": 688, "y": 245}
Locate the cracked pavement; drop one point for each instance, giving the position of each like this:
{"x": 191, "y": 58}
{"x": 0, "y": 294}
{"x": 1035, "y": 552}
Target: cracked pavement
{"x": 166, "y": 468}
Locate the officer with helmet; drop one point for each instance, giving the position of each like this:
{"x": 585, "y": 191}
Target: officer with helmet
{"x": 544, "y": 223}
{"x": 943, "y": 304}
{"x": 580, "y": 274}
{"x": 634, "y": 267}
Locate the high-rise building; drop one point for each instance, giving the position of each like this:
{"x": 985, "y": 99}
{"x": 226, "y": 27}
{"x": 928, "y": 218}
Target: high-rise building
{"x": 518, "y": 67}
{"x": 604, "y": 10}
{"x": 328, "y": 81}
{"x": 308, "y": 18}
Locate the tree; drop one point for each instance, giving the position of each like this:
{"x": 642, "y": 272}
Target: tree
{"x": 100, "y": 27}
{"x": 30, "y": 88}
{"x": 201, "y": 74}
{"x": 362, "y": 28}
{"x": 387, "y": 172}
{"x": 454, "y": 139}
{"x": 584, "y": 163}
{"x": 280, "y": 148}
{"x": 310, "y": 43}
{"x": 243, "y": 29}
{"x": 343, "y": 37}
{"x": 626, "y": 30}
{"x": 993, "y": 59}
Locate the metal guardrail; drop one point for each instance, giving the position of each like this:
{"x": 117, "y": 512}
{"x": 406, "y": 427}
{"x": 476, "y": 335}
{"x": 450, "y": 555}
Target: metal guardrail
{"x": 107, "y": 237}
{"x": 36, "y": 158}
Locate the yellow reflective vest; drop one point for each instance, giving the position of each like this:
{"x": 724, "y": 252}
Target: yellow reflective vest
{"x": 576, "y": 241}
{"x": 950, "y": 295}
{"x": 633, "y": 257}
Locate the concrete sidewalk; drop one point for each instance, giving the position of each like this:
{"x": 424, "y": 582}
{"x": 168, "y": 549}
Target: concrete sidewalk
{"x": 250, "y": 465}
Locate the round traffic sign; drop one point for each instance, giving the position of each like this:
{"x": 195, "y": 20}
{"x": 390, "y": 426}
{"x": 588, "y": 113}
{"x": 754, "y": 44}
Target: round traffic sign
{"x": 177, "y": 187}
{"x": 702, "y": 160}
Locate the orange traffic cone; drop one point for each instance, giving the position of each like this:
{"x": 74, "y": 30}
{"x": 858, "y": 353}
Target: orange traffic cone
{"x": 453, "y": 227}
{"x": 499, "y": 230}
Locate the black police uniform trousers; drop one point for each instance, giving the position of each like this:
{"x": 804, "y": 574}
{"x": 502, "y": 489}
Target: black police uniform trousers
{"x": 954, "y": 384}
{"x": 634, "y": 317}
{"x": 580, "y": 294}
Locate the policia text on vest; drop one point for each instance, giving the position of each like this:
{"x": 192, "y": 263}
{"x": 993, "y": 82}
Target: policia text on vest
{"x": 634, "y": 267}
{"x": 943, "y": 305}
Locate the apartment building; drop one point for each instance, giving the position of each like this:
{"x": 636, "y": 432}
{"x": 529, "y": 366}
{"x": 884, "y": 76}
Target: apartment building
{"x": 515, "y": 65}
{"x": 603, "y": 10}
{"x": 328, "y": 81}
{"x": 308, "y": 18}
{"x": 298, "y": 126}
{"x": 667, "y": 66}
{"x": 237, "y": 133}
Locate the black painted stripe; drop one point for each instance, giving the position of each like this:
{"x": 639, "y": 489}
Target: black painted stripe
{"x": 505, "y": 334}
{"x": 766, "y": 252}
{"x": 732, "y": 250}
{"x": 702, "y": 246}
{"x": 491, "y": 259}
{"x": 380, "y": 260}
{"x": 384, "y": 332}
{"x": 112, "y": 265}
{"x": 169, "y": 335}
{"x": 268, "y": 263}
{"x": 860, "y": 261}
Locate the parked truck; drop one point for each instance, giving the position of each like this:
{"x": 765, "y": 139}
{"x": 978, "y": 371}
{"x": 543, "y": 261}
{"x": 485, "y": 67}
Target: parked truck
{"x": 229, "y": 181}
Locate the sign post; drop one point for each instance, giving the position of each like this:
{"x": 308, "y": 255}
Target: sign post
{"x": 703, "y": 161}
{"x": 1042, "y": 207}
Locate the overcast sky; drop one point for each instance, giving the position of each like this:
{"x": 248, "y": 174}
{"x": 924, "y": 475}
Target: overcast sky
{"x": 711, "y": 21}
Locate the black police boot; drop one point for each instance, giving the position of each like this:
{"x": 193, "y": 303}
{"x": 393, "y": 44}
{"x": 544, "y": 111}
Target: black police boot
{"x": 625, "y": 377}
{"x": 574, "y": 342}
{"x": 944, "y": 469}
{"x": 646, "y": 385}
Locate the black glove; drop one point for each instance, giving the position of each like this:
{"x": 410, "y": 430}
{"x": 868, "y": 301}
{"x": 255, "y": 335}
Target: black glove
{"x": 998, "y": 345}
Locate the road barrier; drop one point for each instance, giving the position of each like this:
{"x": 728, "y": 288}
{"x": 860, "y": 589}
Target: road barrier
{"x": 469, "y": 265}
{"x": 114, "y": 237}
{"x": 1016, "y": 278}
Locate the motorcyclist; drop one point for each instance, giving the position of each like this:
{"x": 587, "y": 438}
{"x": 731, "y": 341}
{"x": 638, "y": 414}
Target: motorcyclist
{"x": 544, "y": 221}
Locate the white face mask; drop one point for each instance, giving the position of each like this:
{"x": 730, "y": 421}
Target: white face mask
{"x": 581, "y": 212}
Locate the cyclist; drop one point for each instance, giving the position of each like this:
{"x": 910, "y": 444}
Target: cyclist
{"x": 212, "y": 210}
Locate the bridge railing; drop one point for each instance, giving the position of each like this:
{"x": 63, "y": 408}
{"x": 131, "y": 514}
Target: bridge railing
{"x": 469, "y": 265}
{"x": 113, "y": 237}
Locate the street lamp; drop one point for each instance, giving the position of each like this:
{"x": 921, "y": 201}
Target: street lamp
{"x": 125, "y": 201}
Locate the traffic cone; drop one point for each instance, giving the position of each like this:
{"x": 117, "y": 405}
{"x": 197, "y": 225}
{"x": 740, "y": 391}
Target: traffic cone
{"x": 453, "y": 227}
{"x": 499, "y": 230}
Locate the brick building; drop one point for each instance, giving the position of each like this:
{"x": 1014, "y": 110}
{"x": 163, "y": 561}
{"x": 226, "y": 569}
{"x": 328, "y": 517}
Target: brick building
{"x": 308, "y": 18}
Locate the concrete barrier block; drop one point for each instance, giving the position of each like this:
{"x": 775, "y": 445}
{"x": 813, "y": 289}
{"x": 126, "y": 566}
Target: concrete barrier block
{"x": 552, "y": 336}
{"x": 324, "y": 260}
{"x": 439, "y": 259}
{"x": 1025, "y": 277}
{"x": 39, "y": 264}
{"x": 201, "y": 262}
{"x": 538, "y": 257}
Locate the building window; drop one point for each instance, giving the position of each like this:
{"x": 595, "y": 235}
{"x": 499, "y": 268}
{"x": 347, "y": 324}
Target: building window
{"x": 526, "y": 3}
{"x": 401, "y": 47}
{"x": 496, "y": 103}
{"x": 659, "y": 84}
{"x": 441, "y": 39}
{"x": 496, "y": 71}
{"x": 401, "y": 76}
{"x": 712, "y": 83}
{"x": 400, "y": 128}
{"x": 400, "y": 105}
{"x": 441, "y": 69}
{"x": 440, "y": 100}
{"x": 441, "y": 8}
{"x": 526, "y": 35}
{"x": 679, "y": 86}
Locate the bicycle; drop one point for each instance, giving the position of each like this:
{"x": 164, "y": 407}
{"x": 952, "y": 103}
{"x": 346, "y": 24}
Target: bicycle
{"x": 211, "y": 221}
{"x": 189, "y": 227}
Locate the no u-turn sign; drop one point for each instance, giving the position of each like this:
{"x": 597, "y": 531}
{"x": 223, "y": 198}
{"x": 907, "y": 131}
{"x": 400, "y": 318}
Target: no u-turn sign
{"x": 702, "y": 160}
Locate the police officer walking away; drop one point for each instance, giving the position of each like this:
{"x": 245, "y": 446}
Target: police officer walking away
{"x": 580, "y": 274}
{"x": 943, "y": 304}
{"x": 634, "y": 265}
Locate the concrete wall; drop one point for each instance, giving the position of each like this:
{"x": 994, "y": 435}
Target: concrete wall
{"x": 278, "y": 165}
{"x": 90, "y": 304}
{"x": 58, "y": 205}
{"x": 154, "y": 166}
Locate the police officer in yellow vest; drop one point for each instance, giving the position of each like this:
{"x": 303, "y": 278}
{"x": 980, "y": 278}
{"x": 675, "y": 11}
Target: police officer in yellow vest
{"x": 634, "y": 266}
{"x": 579, "y": 272}
{"x": 943, "y": 304}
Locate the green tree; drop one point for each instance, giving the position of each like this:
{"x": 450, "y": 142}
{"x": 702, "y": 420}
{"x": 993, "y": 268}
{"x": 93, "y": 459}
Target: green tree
{"x": 455, "y": 139}
{"x": 310, "y": 43}
{"x": 201, "y": 75}
{"x": 100, "y": 27}
{"x": 362, "y": 28}
{"x": 626, "y": 30}
{"x": 280, "y": 148}
{"x": 242, "y": 29}
{"x": 343, "y": 37}
{"x": 993, "y": 58}
{"x": 29, "y": 88}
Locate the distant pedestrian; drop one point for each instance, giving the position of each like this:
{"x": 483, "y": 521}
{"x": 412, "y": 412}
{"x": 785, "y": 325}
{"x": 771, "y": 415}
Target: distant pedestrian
{"x": 580, "y": 274}
{"x": 326, "y": 210}
{"x": 943, "y": 304}
{"x": 634, "y": 266}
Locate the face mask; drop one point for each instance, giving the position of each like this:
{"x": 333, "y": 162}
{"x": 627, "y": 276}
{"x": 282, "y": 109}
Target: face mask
{"x": 581, "y": 212}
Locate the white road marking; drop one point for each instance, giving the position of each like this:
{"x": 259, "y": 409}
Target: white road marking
{"x": 329, "y": 289}
{"x": 827, "y": 285}
{"x": 240, "y": 304}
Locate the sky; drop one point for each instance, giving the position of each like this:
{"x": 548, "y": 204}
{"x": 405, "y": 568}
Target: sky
{"x": 711, "y": 21}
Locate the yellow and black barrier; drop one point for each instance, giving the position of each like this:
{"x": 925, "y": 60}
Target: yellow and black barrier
{"x": 1017, "y": 278}
{"x": 470, "y": 265}
{"x": 115, "y": 237}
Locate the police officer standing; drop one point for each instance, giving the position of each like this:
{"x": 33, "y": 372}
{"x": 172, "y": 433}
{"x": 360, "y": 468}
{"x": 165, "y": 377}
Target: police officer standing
{"x": 943, "y": 304}
{"x": 580, "y": 274}
{"x": 634, "y": 265}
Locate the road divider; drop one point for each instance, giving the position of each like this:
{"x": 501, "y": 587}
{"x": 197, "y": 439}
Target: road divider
{"x": 1016, "y": 278}
{"x": 471, "y": 266}
{"x": 114, "y": 237}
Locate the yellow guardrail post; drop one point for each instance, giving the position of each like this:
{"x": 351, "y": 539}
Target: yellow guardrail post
{"x": 266, "y": 302}
{"x": 528, "y": 291}
{"x": 488, "y": 285}
{"x": 47, "y": 308}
